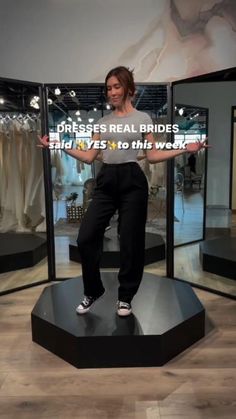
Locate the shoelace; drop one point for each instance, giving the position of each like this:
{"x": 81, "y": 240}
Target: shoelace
{"x": 86, "y": 301}
{"x": 124, "y": 305}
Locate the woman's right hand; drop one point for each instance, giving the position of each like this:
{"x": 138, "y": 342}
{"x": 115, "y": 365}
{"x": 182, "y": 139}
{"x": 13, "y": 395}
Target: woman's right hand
{"x": 44, "y": 141}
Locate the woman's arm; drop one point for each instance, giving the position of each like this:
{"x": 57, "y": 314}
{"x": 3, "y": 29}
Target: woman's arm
{"x": 86, "y": 156}
{"x": 156, "y": 156}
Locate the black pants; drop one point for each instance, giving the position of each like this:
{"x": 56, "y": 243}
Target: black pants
{"x": 123, "y": 187}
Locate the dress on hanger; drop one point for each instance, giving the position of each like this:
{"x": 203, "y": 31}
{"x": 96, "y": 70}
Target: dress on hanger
{"x": 12, "y": 195}
{"x": 34, "y": 205}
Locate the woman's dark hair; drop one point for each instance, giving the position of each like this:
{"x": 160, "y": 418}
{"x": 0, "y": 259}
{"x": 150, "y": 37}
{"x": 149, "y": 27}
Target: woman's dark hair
{"x": 126, "y": 79}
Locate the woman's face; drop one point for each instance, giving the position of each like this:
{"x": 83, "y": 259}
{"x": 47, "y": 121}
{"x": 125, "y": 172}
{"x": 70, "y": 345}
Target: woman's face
{"x": 115, "y": 91}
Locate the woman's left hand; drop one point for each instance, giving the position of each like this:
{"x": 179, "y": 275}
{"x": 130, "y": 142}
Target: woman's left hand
{"x": 44, "y": 141}
{"x": 195, "y": 147}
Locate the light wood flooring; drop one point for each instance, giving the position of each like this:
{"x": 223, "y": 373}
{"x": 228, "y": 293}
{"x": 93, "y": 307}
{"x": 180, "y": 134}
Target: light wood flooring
{"x": 187, "y": 264}
{"x": 187, "y": 267}
{"x": 199, "y": 383}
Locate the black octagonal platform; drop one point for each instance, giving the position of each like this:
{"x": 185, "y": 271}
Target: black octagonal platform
{"x": 218, "y": 256}
{"x": 21, "y": 250}
{"x": 167, "y": 318}
{"x": 154, "y": 249}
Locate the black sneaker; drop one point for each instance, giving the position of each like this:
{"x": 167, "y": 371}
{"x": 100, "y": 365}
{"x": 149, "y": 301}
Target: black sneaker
{"x": 87, "y": 303}
{"x": 123, "y": 308}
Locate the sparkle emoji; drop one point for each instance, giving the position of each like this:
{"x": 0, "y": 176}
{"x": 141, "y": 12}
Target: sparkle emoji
{"x": 80, "y": 144}
{"x": 112, "y": 145}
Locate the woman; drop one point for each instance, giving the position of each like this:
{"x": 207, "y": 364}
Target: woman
{"x": 120, "y": 185}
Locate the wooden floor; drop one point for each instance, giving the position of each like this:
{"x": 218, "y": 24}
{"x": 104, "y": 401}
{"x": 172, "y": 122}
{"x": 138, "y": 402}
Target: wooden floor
{"x": 200, "y": 383}
{"x": 187, "y": 265}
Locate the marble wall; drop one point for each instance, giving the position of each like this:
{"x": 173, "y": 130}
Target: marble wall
{"x": 80, "y": 40}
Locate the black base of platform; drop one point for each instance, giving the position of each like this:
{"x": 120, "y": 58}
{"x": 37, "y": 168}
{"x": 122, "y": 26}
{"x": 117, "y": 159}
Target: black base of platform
{"x": 218, "y": 256}
{"x": 167, "y": 318}
{"x": 154, "y": 249}
{"x": 21, "y": 250}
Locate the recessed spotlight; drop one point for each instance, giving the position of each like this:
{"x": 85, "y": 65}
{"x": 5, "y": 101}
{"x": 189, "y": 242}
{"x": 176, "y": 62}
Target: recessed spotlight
{"x": 72, "y": 93}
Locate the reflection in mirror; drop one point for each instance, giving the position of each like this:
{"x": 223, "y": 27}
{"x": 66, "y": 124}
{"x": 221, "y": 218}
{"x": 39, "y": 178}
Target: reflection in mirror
{"x": 211, "y": 263}
{"x": 189, "y": 176}
{"x": 233, "y": 168}
{"x": 73, "y": 181}
{"x": 23, "y": 250}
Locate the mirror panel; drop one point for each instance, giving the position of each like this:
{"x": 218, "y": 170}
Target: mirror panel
{"x": 207, "y": 262}
{"x": 23, "y": 245}
{"x": 73, "y": 181}
{"x": 190, "y": 175}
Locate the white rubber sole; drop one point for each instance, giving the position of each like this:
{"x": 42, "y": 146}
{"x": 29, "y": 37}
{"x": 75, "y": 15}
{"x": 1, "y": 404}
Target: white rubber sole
{"x": 124, "y": 312}
{"x": 85, "y": 310}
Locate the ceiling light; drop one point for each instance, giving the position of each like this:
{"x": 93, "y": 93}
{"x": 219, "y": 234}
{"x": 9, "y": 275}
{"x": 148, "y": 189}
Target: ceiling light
{"x": 79, "y": 119}
{"x": 72, "y": 93}
{"x": 95, "y": 109}
{"x": 108, "y": 106}
{"x": 91, "y": 120}
{"x": 181, "y": 111}
{"x": 69, "y": 119}
{"x": 34, "y": 102}
{"x": 1, "y": 101}
{"x": 57, "y": 91}
{"x": 77, "y": 113}
{"x": 49, "y": 101}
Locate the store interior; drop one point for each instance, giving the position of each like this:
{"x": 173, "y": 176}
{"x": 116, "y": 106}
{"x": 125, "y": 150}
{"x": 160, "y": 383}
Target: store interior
{"x": 204, "y": 184}
{"x": 86, "y": 104}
